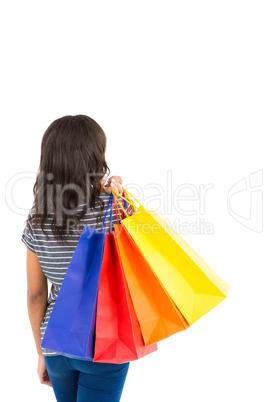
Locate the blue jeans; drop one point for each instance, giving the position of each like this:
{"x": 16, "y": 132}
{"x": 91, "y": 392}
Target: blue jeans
{"x": 76, "y": 380}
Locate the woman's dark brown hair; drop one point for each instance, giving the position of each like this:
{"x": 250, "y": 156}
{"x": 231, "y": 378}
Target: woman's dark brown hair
{"x": 72, "y": 164}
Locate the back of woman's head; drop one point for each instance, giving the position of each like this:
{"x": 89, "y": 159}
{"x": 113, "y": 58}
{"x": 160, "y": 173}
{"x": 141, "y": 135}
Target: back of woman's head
{"x": 72, "y": 164}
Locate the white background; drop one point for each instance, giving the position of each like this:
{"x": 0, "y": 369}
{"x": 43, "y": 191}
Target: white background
{"x": 178, "y": 87}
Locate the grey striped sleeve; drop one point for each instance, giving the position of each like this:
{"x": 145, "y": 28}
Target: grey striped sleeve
{"x": 27, "y": 236}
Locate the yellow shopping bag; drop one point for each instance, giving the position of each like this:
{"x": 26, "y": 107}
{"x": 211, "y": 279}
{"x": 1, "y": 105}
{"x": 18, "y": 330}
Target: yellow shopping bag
{"x": 191, "y": 283}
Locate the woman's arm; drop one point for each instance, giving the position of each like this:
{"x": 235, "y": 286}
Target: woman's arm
{"x": 36, "y": 296}
{"x": 36, "y": 304}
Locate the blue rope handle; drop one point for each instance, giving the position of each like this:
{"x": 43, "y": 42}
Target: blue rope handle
{"x": 110, "y": 198}
{"x": 125, "y": 207}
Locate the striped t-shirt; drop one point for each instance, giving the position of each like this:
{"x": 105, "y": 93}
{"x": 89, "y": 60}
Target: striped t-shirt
{"x": 55, "y": 258}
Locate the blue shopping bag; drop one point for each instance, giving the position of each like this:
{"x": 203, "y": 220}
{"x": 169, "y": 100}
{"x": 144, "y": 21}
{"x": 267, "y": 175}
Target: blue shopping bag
{"x": 71, "y": 326}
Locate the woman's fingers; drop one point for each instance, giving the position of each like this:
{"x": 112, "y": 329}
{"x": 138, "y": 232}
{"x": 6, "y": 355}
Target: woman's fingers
{"x": 116, "y": 186}
{"x": 113, "y": 183}
{"x": 46, "y": 380}
{"x": 118, "y": 178}
{"x": 42, "y": 371}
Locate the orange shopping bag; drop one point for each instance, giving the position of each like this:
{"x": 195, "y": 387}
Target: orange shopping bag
{"x": 157, "y": 314}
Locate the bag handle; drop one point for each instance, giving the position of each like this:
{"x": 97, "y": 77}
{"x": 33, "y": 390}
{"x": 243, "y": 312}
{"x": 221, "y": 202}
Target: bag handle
{"x": 124, "y": 211}
{"x": 110, "y": 198}
{"x": 126, "y": 199}
{"x": 126, "y": 206}
{"x": 117, "y": 208}
{"x": 111, "y": 213}
{"x": 133, "y": 208}
{"x": 132, "y": 196}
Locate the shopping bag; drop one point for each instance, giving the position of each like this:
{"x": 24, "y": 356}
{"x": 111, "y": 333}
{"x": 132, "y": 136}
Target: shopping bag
{"x": 71, "y": 326}
{"x": 157, "y": 314}
{"x": 118, "y": 337}
{"x": 191, "y": 283}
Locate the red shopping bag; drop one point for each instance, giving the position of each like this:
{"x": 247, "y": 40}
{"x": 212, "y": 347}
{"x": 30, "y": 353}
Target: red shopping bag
{"x": 118, "y": 337}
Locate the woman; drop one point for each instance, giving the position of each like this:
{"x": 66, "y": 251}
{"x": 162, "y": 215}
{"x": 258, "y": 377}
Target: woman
{"x": 69, "y": 192}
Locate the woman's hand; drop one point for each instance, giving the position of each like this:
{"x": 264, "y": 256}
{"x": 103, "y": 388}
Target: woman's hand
{"x": 42, "y": 371}
{"x": 114, "y": 183}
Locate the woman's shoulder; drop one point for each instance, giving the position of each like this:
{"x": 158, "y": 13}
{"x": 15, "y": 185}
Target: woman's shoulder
{"x": 31, "y": 213}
